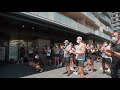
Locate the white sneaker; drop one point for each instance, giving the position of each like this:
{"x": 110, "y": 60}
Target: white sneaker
{"x": 60, "y": 64}
{"x": 72, "y": 69}
{"x": 41, "y": 70}
{"x": 101, "y": 68}
{"x": 108, "y": 70}
{"x": 74, "y": 66}
{"x": 75, "y": 73}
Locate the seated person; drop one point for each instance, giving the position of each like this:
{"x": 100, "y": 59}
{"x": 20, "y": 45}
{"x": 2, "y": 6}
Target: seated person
{"x": 37, "y": 66}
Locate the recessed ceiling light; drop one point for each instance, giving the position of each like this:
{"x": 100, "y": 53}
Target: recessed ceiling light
{"x": 33, "y": 28}
{"x": 23, "y": 26}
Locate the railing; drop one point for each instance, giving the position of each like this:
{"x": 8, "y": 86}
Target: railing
{"x": 61, "y": 20}
{"x": 103, "y": 26}
{"x": 105, "y": 18}
{"x": 53, "y": 17}
{"x": 67, "y": 22}
{"x": 101, "y": 34}
{"x": 90, "y": 15}
{"x": 97, "y": 22}
{"x": 110, "y": 30}
{"x": 83, "y": 28}
{"x": 116, "y": 24}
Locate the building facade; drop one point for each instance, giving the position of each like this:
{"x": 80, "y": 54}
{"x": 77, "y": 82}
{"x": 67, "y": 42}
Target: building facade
{"x": 116, "y": 20}
{"x": 44, "y": 28}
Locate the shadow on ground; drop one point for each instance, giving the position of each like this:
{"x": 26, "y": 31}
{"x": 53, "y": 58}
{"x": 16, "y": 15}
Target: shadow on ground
{"x": 19, "y": 70}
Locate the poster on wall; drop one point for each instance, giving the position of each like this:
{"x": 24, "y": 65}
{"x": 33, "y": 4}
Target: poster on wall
{"x": 2, "y": 53}
{"x": 13, "y": 52}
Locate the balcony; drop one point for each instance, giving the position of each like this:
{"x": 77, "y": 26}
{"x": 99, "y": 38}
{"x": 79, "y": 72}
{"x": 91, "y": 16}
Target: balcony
{"x": 82, "y": 28}
{"x": 105, "y": 18}
{"x": 116, "y": 24}
{"x": 53, "y": 17}
{"x": 97, "y": 22}
{"x": 89, "y": 15}
{"x": 103, "y": 26}
{"x": 101, "y": 34}
{"x": 107, "y": 14}
{"x": 110, "y": 30}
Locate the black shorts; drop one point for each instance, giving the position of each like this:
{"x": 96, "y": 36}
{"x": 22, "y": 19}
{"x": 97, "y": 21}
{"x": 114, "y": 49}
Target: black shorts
{"x": 57, "y": 55}
{"x": 61, "y": 56}
{"x": 79, "y": 63}
{"x": 48, "y": 57}
{"x": 67, "y": 60}
{"x": 30, "y": 54}
{"x": 93, "y": 57}
{"x": 106, "y": 60}
{"x": 72, "y": 55}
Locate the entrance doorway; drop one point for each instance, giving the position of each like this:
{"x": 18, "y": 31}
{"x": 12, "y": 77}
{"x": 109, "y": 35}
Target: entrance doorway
{"x": 18, "y": 47}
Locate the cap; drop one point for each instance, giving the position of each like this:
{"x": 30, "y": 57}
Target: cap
{"x": 66, "y": 41}
{"x": 79, "y": 37}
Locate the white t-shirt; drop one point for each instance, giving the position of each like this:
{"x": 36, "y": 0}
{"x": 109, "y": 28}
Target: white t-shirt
{"x": 31, "y": 50}
{"x": 48, "y": 52}
{"x": 104, "y": 55}
{"x": 37, "y": 56}
{"x": 57, "y": 51}
{"x": 67, "y": 54}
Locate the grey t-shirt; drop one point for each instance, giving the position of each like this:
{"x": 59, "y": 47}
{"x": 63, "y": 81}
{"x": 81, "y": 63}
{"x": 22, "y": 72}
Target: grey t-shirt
{"x": 67, "y": 54}
{"x": 78, "y": 56}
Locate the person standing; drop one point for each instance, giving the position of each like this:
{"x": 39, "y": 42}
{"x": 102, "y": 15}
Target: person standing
{"x": 22, "y": 54}
{"x": 105, "y": 58}
{"x": 80, "y": 56}
{"x": 57, "y": 55}
{"x": 115, "y": 53}
{"x": 49, "y": 55}
{"x": 88, "y": 54}
{"x": 67, "y": 49}
{"x": 31, "y": 56}
{"x": 93, "y": 56}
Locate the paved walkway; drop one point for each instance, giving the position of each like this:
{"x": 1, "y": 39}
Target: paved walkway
{"x": 26, "y": 71}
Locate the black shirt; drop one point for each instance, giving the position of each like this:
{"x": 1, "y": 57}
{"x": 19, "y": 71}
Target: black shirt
{"x": 117, "y": 49}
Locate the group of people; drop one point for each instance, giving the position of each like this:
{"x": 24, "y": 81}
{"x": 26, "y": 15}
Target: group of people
{"x": 74, "y": 56}
{"x": 108, "y": 53}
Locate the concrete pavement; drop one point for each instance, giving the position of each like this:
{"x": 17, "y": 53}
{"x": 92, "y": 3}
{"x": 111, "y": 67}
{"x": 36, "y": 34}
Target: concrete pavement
{"x": 26, "y": 71}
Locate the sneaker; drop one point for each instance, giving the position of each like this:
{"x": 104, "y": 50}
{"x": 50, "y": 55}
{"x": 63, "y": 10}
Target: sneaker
{"x": 72, "y": 69}
{"x": 54, "y": 66}
{"x": 101, "y": 68}
{"x": 75, "y": 73}
{"x": 68, "y": 74}
{"x": 41, "y": 70}
{"x": 17, "y": 63}
{"x": 65, "y": 72}
{"x": 108, "y": 70}
{"x": 75, "y": 66}
{"x": 57, "y": 66}
{"x": 60, "y": 64}
{"x": 103, "y": 72}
